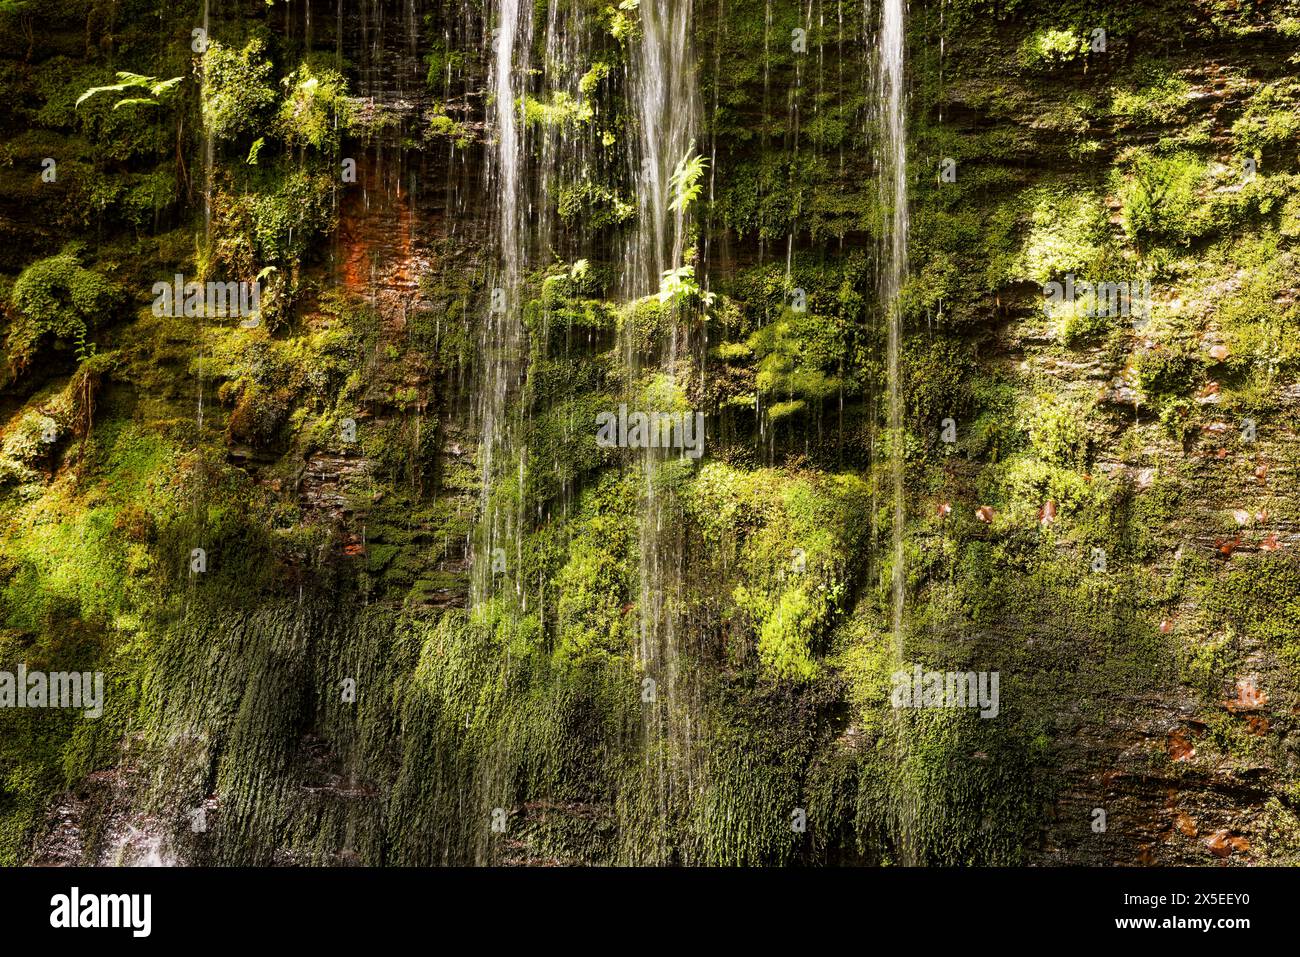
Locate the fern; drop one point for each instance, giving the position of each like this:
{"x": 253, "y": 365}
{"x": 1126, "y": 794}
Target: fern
{"x": 679, "y": 284}
{"x": 686, "y": 180}
{"x": 134, "y": 81}
{"x": 85, "y": 350}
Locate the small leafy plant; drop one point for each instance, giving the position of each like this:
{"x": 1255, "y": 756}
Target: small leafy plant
{"x": 156, "y": 88}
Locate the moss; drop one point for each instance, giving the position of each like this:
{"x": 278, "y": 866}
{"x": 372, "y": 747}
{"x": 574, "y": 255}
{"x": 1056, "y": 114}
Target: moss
{"x": 598, "y": 205}
{"x": 797, "y": 356}
{"x": 563, "y": 109}
{"x": 258, "y": 415}
{"x": 442, "y": 126}
{"x": 118, "y": 135}
{"x": 237, "y": 93}
{"x": 1258, "y": 598}
{"x": 1066, "y": 234}
{"x": 939, "y": 371}
{"x": 1162, "y": 198}
{"x": 56, "y": 298}
{"x": 1270, "y": 121}
{"x": 1052, "y": 48}
{"x": 277, "y": 224}
{"x": 1058, "y": 431}
{"x": 946, "y": 788}
{"x": 595, "y": 586}
{"x": 1155, "y": 95}
{"x": 316, "y": 110}
{"x": 790, "y": 550}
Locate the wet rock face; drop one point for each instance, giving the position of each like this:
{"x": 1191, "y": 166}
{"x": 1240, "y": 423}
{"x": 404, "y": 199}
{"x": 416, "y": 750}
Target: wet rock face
{"x": 103, "y": 821}
{"x": 329, "y": 486}
{"x": 1189, "y": 764}
{"x": 1093, "y": 525}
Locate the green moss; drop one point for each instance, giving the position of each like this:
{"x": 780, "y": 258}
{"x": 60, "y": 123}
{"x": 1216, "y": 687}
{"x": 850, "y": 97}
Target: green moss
{"x": 1259, "y": 596}
{"x": 1058, "y": 431}
{"x": 1066, "y": 234}
{"x": 316, "y": 110}
{"x": 1155, "y": 95}
{"x": 595, "y": 586}
{"x": 1169, "y": 372}
{"x": 59, "y": 299}
{"x": 237, "y": 94}
{"x": 1163, "y": 198}
{"x": 563, "y": 109}
{"x": 1270, "y": 121}
{"x": 790, "y": 548}
{"x": 443, "y": 62}
{"x": 442, "y": 126}
{"x": 797, "y": 357}
{"x": 1052, "y": 48}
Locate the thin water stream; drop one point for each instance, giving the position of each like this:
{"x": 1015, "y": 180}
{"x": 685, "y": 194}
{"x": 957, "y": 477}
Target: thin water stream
{"x": 893, "y": 272}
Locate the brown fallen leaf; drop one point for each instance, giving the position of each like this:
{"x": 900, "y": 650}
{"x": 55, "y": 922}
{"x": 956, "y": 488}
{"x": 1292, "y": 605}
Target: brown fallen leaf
{"x": 944, "y": 510}
{"x": 1219, "y": 352}
{"x": 1179, "y": 746}
{"x": 1223, "y": 842}
{"x": 1166, "y": 626}
{"x": 1184, "y": 824}
{"x": 1248, "y": 697}
{"x": 1226, "y": 547}
{"x": 1270, "y": 543}
{"x": 984, "y": 513}
{"x": 1047, "y": 514}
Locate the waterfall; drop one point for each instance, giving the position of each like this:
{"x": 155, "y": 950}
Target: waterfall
{"x": 892, "y": 172}
{"x": 528, "y": 164}
{"x": 502, "y": 331}
{"x": 665, "y": 107}
{"x": 538, "y": 57}
{"x": 892, "y": 154}
{"x": 511, "y": 41}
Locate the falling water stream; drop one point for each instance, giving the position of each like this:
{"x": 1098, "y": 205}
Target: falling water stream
{"x": 666, "y": 108}
{"x": 511, "y": 24}
{"x": 892, "y": 166}
{"x": 893, "y": 195}
{"x": 525, "y": 167}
